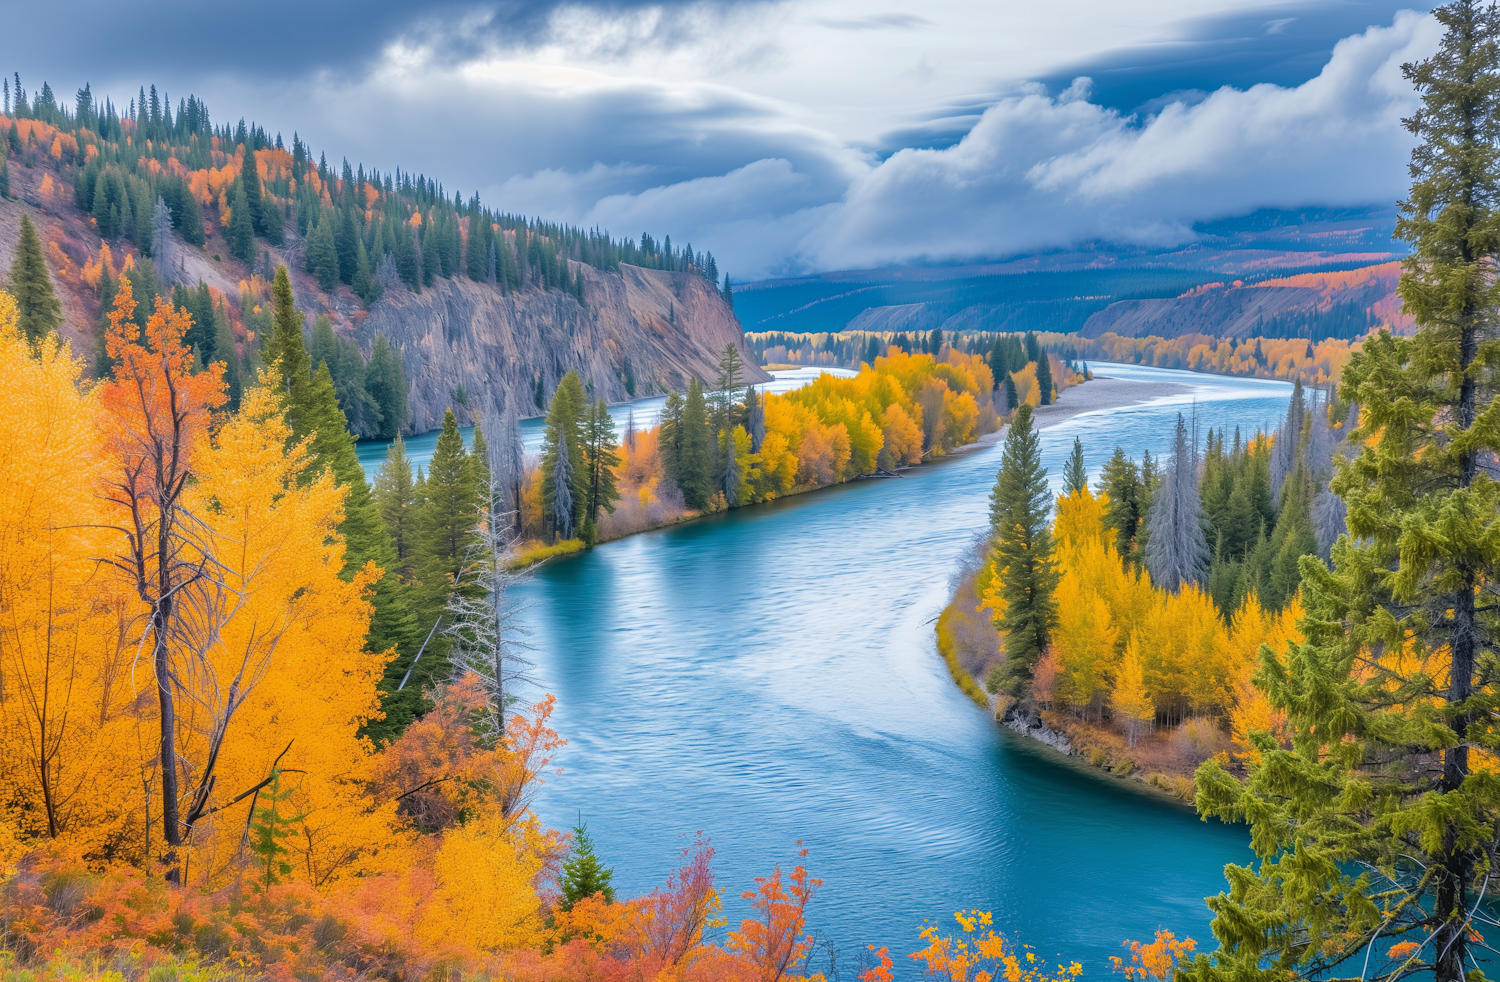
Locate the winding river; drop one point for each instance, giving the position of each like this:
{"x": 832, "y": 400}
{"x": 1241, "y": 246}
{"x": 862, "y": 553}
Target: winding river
{"x": 769, "y": 675}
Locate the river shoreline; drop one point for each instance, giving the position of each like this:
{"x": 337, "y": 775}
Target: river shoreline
{"x": 1098, "y": 394}
{"x": 1054, "y": 739}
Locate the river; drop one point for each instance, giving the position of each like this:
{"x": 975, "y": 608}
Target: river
{"x": 769, "y": 675}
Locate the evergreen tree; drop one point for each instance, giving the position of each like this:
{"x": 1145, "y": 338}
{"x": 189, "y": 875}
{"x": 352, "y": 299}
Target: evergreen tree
{"x": 1023, "y": 542}
{"x": 385, "y": 381}
{"x": 728, "y": 293}
{"x": 600, "y": 458}
{"x": 1012, "y": 397}
{"x": 1075, "y": 475}
{"x": 322, "y": 257}
{"x": 669, "y": 436}
{"x": 241, "y": 226}
{"x": 395, "y": 495}
{"x": 583, "y": 874}
{"x": 565, "y": 482}
{"x": 695, "y": 456}
{"x": 1122, "y": 485}
{"x": 734, "y": 451}
{"x": 1377, "y": 825}
{"x": 449, "y": 509}
{"x": 1044, "y": 383}
{"x": 727, "y": 385}
{"x": 1176, "y": 551}
{"x": 269, "y": 831}
{"x": 312, "y": 409}
{"x": 507, "y": 468}
{"x": 31, "y": 285}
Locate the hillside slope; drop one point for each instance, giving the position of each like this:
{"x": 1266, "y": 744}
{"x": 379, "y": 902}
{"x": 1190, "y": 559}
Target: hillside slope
{"x": 1346, "y": 304}
{"x": 471, "y": 345}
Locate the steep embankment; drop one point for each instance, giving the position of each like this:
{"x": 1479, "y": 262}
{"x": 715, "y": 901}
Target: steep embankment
{"x": 465, "y": 344}
{"x": 468, "y": 345}
{"x": 1344, "y": 304}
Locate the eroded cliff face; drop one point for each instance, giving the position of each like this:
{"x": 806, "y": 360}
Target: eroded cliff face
{"x": 468, "y": 346}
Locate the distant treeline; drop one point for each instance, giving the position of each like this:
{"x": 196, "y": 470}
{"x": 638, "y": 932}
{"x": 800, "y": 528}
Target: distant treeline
{"x": 367, "y": 229}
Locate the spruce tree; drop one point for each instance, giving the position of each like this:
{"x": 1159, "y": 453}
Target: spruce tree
{"x": 241, "y": 226}
{"x": 450, "y": 506}
{"x": 322, "y": 257}
{"x": 1122, "y": 485}
{"x": 695, "y": 456}
{"x": 564, "y": 472}
{"x": 1019, "y": 508}
{"x": 1044, "y": 383}
{"x": 583, "y": 874}
{"x": 1075, "y": 475}
{"x": 600, "y": 458}
{"x": 31, "y": 285}
{"x": 669, "y": 436}
{"x": 1376, "y": 827}
{"x": 312, "y": 409}
{"x": 395, "y": 495}
{"x": 255, "y": 205}
{"x": 1176, "y": 551}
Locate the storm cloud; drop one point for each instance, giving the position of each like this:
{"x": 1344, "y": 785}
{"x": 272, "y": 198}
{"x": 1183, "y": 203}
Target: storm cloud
{"x": 810, "y": 136}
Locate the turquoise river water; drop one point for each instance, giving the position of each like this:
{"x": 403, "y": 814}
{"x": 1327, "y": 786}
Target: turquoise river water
{"x": 770, "y": 675}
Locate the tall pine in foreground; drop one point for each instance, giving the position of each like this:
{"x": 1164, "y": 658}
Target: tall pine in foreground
{"x": 1376, "y": 830}
{"x": 31, "y": 285}
{"x": 1023, "y": 543}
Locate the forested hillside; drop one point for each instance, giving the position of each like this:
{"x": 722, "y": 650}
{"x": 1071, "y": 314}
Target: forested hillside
{"x": 479, "y": 307}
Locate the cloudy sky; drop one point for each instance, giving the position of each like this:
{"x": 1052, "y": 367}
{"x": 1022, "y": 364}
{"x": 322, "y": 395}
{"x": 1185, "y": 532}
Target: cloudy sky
{"x": 801, "y": 136}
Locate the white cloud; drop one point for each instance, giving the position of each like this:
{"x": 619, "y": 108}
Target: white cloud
{"x": 1037, "y": 171}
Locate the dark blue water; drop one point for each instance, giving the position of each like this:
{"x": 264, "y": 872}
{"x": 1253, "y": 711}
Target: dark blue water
{"x": 770, "y": 675}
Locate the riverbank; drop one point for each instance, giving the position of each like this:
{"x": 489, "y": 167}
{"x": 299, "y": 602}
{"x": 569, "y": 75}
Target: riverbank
{"x": 1100, "y": 393}
{"x": 970, "y": 645}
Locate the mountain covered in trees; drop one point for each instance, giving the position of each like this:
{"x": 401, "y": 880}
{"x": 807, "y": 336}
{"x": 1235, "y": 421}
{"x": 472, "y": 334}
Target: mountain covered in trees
{"x": 420, "y": 300}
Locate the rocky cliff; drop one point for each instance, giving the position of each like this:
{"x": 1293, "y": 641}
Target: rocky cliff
{"x": 639, "y": 332}
{"x": 466, "y": 345}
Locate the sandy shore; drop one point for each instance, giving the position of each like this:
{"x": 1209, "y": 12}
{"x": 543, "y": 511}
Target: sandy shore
{"x": 1100, "y": 393}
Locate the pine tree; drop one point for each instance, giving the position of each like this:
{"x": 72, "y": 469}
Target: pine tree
{"x": 507, "y": 468}
{"x": 322, "y": 257}
{"x": 269, "y": 831}
{"x": 1023, "y": 544}
{"x": 695, "y": 463}
{"x": 395, "y": 495}
{"x": 1176, "y": 552}
{"x": 385, "y": 381}
{"x": 583, "y": 873}
{"x": 241, "y": 226}
{"x": 564, "y": 471}
{"x": 1044, "y": 383}
{"x": 1374, "y": 832}
{"x": 1075, "y": 475}
{"x": 1122, "y": 485}
{"x": 31, "y": 285}
{"x": 669, "y": 436}
{"x": 449, "y": 508}
{"x": 600, "y": 458}
{"x": 312, "y": 409}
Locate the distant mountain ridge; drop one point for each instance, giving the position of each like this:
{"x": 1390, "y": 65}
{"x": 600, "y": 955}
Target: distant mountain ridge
{"x": 1065, "y": 291}
{"x": 1345, "y": 304}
